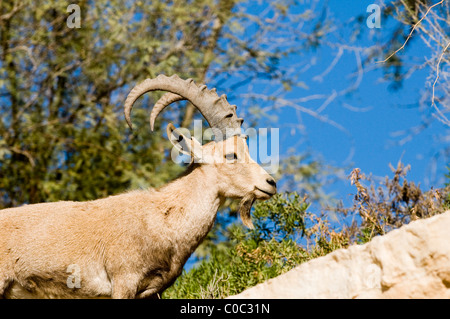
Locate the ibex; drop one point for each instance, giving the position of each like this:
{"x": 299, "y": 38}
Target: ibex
{"x": 134, "y": 245}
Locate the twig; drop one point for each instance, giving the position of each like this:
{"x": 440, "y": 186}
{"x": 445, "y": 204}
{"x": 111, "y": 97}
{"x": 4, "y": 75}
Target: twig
{"x": 16, "y": 8}
{"x": 25, "y": 153}
{"x": 410, "y": 34}
{"x": 437, "y": 71}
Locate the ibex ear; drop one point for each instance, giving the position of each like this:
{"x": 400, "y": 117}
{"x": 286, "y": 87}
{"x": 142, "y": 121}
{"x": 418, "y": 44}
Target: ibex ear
{"x": 188, "y": 146}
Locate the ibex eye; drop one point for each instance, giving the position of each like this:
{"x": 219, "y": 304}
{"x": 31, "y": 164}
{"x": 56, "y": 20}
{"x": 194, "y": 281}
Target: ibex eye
{"x": 231, "y": 156}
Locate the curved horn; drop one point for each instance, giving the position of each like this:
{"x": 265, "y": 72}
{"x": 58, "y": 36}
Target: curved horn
{"x": 164, "y": 101}
{"x": 220, "y": 115}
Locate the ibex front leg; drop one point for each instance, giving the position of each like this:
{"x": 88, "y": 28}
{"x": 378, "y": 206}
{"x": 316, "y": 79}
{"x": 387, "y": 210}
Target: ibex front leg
{"x": 125, "y": 286}
{"x": 153, "y": 286}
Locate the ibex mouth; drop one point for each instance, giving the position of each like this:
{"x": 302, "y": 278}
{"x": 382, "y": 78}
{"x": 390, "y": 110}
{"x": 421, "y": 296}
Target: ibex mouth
{"x": 266, "y": 192}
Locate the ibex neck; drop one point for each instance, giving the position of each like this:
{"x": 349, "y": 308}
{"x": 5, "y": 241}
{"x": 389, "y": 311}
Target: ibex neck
{"x": 190, "y": 207}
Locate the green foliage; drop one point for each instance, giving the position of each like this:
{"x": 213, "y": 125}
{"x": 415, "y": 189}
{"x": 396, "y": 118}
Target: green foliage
{"x": 62, "y": 134}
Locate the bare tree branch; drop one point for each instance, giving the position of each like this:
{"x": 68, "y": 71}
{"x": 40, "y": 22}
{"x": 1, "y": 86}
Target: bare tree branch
{"x": 410, "y": 34}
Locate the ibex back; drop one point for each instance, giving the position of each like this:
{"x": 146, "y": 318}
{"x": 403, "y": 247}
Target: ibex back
{"x": 134, "y": 245}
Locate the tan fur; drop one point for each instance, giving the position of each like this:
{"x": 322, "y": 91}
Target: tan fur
{"x": 132, "y": 245}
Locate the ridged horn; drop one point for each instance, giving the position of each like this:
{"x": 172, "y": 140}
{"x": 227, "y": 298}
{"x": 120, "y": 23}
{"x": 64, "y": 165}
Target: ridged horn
{"x": 164, "y": 101}
{"x": 220, "y": 115}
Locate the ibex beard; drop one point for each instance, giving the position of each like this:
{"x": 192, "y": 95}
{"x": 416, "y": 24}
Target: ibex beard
{"x": 134, "y": 245}
{"x": 244, "y": 209}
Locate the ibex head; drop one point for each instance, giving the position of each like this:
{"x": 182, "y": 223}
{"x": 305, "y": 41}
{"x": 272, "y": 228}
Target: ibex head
{"x": 227, "y": 158}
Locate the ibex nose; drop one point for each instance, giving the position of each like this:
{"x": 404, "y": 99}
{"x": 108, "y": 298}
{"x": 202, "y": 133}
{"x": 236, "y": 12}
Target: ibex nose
{"x": 271, "y": 182}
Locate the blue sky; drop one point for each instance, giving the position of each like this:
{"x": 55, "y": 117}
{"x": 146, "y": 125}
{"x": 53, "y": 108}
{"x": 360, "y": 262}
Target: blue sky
{"x": 369, "y": 141}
